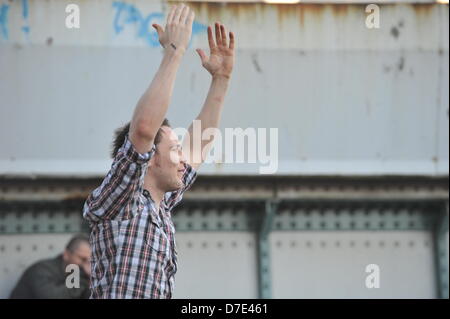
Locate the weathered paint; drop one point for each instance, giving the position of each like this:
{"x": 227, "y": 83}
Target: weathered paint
{"x": 347, "y": 100}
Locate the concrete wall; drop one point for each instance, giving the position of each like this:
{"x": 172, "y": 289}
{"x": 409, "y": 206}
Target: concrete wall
{"x": 346, "y": 99}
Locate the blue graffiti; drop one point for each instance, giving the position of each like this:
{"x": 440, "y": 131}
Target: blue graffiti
{"x": 4, "y": 10}
{"x": 4, "y": 20}
{"x": 129, "y": 14}
{"x": 198, "y": 28}
{"x": 25, "y": 28}
{"x": 25, "y": 8}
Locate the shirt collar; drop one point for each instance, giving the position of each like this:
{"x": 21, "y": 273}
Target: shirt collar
{"x": 146, "y": 193}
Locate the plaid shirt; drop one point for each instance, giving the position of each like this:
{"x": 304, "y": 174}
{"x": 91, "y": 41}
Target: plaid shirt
{"x": 133, "y": 246}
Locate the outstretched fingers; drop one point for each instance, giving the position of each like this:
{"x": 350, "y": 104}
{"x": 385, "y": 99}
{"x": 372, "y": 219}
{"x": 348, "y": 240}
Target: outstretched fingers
{"x": 190, "y": 19}
{"x": 159, "y": 29}
{"x": 211, "y": 42}
{"x": 171, "y": 14}
{"x": 177, "y": 14}
{"x": 223, "y": 34}
{"x": 202, "y": 55}
{"x": 218, "y": 35}
{"x": 231, "y": 40}
{"x": 184, "y": 14}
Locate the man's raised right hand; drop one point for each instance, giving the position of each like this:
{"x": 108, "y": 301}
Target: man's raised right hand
{"x": 178, "y": 29}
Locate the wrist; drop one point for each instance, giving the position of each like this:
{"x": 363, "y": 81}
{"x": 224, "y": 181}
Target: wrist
{"x": 221, "y": 77}
{"x": 171, "y": 50}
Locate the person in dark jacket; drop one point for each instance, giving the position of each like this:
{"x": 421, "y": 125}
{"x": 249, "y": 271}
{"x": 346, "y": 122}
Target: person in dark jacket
{"x": 49, "y": 278}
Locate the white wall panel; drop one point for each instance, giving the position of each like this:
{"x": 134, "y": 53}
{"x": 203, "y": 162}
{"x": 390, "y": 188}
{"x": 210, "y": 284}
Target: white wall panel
{"x": 347, "y": 100}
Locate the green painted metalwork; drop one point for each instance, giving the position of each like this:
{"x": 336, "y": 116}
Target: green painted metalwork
{"x": 264, "y": 275}
{"x": 260, "y": 217}
{"x": 441, "y": 252}
{"x": 303, "y": 215}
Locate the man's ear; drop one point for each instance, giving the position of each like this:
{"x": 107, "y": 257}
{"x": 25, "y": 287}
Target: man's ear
{"x": 157, "y": 158}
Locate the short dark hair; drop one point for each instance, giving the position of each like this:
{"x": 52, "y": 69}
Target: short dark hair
{"x": 120, "y": 133}
{"x": 75, "y": 242}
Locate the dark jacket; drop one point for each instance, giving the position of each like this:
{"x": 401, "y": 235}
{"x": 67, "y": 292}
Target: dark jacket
{"x": 46, "y": 279}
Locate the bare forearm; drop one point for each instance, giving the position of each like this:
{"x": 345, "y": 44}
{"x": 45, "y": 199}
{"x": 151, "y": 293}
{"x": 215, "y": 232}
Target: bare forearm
{"x": 220, "y": 65}
{"x": 212, "y": 108}
{"x": 152, "y": 106}
{"x": 209, "y": 117}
